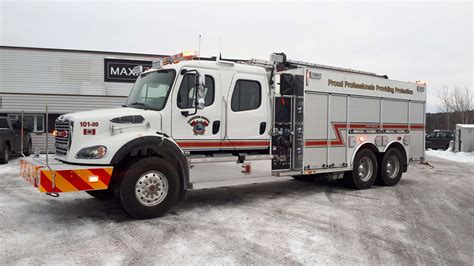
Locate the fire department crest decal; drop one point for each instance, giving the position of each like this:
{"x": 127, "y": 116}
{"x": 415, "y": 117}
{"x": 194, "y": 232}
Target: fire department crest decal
{"x": 199, "y": 124}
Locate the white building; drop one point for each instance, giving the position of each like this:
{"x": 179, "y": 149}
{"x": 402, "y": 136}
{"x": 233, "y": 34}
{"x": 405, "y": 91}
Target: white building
{"x": 464, "y": 138}
{"x": 66, "y": 80}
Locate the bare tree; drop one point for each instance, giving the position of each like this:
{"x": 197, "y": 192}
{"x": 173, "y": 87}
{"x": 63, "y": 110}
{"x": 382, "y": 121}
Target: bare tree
{"x": 446, "y": 103}
{"x": 462, "y": 100}
{"x": 456, "y": 103}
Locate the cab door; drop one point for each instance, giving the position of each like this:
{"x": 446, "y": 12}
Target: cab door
{"x": 248, "y": 118}
{"x": 201, "y": 130}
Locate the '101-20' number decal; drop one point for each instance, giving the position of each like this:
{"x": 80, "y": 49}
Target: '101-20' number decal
{"x": 89, "y": 124}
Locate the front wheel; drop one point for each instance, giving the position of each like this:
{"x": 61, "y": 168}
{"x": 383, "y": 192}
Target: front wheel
{"x": 390, "y": 168}
{"x": 5, "y": 154}
{"x": 149, "y": 188}
{"x": 29, "y": 149}
{"x": 364, "y": 172}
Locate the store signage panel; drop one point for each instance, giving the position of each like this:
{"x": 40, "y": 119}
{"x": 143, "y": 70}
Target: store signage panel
{"x": 121, "y": 70}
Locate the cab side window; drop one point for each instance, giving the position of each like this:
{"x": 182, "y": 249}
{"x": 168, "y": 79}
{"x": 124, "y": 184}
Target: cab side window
{"x": 186, "y": 91}
{"x": 247, "y": 95}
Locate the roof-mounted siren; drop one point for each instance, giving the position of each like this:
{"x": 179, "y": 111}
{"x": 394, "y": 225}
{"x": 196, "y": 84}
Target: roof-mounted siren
{"x": 157, "y": 64}
{"x": 278, "y": 58}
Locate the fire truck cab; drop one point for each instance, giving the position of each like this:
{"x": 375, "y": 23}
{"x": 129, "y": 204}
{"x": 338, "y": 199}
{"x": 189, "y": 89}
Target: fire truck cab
{"x": 192, "y": 123}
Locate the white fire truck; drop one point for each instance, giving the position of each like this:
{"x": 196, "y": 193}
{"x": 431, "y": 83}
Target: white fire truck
{"x": 192, "y": 123}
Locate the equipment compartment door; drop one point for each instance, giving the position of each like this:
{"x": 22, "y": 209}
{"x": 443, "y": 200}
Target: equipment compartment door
{"x": 417, "y": 131}
{"x": 203, "y": 130}
{"x": 326, "y": 123}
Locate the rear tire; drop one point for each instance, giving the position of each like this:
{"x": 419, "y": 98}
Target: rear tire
{"x": 364, "y": 172}
{"x": 5, "y": 154}
{"x": 149, "y": 188}
{"x": 390, "y": 171}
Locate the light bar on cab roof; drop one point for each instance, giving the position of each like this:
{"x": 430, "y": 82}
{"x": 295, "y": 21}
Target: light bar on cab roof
{"x": 191, "y": 54}
{"x": 174, "y": 58}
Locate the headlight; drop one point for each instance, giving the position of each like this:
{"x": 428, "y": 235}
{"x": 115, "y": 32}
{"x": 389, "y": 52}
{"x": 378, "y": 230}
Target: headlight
{"x": 94, "y": 152}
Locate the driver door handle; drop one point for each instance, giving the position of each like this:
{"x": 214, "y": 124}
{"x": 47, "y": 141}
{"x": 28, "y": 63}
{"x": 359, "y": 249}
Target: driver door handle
{"x": 263, "y": 126}
{"x": 216, "y": 126}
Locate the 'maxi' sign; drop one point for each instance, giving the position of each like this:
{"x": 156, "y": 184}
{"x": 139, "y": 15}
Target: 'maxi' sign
{"x": 121, "y": 70}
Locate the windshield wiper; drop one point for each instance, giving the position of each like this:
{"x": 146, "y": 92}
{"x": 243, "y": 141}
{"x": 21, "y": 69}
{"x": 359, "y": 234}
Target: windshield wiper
{"x": 141, "y": 104}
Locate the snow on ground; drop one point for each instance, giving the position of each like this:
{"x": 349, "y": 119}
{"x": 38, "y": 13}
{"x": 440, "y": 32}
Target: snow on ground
{"x": 8, "y": 168}
{"x": 462, "y": 157}
{"x": 427, "y": 219}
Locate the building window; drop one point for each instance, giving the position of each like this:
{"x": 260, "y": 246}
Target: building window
{"x": 33, "y": 122}
{"x": 247, "y": 95}
{"x": 186, "y": 91}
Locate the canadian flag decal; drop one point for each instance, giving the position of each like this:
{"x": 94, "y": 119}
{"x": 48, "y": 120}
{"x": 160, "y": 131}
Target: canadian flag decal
{"x": 89, "y": 131}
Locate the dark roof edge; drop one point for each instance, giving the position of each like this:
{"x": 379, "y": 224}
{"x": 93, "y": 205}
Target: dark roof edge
{"x": 76, "y": 50}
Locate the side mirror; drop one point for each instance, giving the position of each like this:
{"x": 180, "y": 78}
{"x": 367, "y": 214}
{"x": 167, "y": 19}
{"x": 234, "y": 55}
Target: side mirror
{"x": 200, "y": 90}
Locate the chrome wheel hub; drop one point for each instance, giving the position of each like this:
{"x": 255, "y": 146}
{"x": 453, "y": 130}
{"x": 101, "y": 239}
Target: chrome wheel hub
{"x": 393, "y": 166}
{"x": 365, "y": 169}
{"x": 151, "y": 188}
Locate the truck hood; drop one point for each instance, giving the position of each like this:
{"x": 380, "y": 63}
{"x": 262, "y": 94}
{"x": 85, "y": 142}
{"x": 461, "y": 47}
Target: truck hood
{"x": 107, "y": 127}
{"x": 106, "y": 114}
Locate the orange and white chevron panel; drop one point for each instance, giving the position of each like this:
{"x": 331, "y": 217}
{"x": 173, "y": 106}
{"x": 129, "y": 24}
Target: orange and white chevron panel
{"x": 75, "y": 180}
{"x": 66, "y": 178}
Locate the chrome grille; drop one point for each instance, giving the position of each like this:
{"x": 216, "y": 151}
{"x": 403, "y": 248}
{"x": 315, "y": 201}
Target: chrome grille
{"x": 62, "y": 139}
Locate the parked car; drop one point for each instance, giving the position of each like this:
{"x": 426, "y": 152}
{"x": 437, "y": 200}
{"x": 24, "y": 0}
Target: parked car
{"x": 439, "y": 139}
{"x": 10, "y": 139}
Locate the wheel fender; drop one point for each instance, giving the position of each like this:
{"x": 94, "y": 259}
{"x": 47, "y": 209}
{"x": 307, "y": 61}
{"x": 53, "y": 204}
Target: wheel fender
{"x": 365, "y": 144}
{"x": 160, "y": 146}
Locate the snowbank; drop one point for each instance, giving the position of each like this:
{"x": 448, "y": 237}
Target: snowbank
{"x": 11, "y": 167}
{"x": 463, "y": 157}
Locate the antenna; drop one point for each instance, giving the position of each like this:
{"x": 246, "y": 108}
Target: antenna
{"x": 220, "y": 47}
{"x": 199, "y": 49}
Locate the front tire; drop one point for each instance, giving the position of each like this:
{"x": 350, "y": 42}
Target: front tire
{"x": 364, "y": 172}
{"x": 390, "y": 168}
{"x": 29, "y": 149}
{"x": 5, "y": 154}
{"x": 149, "y": 188}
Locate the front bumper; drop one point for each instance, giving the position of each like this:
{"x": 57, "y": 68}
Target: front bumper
{"x": 62, "y": 177}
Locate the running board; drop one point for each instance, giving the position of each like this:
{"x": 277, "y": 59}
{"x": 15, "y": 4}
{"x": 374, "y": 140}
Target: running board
{"x": 237, "y": 182}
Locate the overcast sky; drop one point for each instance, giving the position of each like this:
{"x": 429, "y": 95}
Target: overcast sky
{"x": 430, "y": 41}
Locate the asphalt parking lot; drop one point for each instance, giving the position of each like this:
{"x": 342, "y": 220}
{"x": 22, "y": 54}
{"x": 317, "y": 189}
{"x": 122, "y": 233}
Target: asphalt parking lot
{"x": 426, "y": 219}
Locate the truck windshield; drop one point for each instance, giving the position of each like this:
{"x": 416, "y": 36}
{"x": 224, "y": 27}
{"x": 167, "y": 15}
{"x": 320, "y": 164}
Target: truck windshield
{"x": 151, "y": 90}
{"x": 4, "y": 123}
